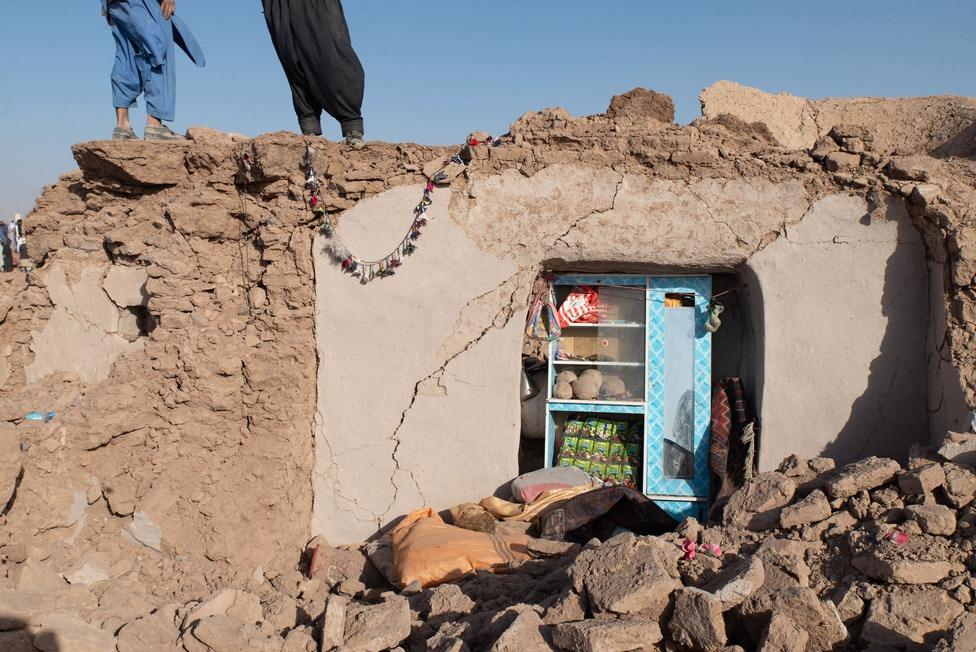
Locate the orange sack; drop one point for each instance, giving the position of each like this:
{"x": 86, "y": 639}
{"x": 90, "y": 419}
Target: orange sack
{"x": 427, "y": 549}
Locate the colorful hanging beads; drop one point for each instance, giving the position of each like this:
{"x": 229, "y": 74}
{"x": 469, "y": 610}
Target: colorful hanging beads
{"x": 386, "y": 266}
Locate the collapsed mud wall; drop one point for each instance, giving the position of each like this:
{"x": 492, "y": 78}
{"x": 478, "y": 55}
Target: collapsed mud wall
{"x": 198, "y": 412}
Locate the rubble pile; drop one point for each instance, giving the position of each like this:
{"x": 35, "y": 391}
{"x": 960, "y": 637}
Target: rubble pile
{"x": 867, "y": 556}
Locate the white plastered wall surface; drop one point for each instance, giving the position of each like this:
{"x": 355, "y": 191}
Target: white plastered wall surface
{"x": 418, "y": 401}
{"x": 843, "y": 309}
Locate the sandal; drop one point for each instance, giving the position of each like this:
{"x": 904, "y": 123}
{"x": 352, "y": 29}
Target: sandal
{"x": 124, "y": 134}
{"x": 162, "y": 133}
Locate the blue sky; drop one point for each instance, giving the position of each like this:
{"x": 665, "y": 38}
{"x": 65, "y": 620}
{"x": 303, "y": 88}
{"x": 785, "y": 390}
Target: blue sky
{"x": 436, "y": 71}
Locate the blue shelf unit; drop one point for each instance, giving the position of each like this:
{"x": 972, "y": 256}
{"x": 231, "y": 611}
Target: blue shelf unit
{"x": 661, "y": 350}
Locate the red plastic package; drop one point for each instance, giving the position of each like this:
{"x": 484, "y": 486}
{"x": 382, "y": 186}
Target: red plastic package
{"x": 582, "y": 306}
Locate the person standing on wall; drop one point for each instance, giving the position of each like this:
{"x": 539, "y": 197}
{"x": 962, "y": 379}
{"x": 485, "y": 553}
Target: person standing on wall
{"x": 6, "y": 260}
{"x": 19, "y": 243}
{"x": 145, "y": 32}
{"x": 313, "y": 45}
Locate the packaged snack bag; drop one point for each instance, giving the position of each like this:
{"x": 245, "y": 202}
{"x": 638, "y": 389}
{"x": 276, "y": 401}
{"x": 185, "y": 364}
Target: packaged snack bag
{"x": 584, "y": 446}
{"x": 582, "y": 465}
{"x": 582, "y": 306}
{"x": 569, "y": 445}
{"x": 566, "y": 461}
{"x": 590, "y": 427}
{"x": 615, "y": 471}
{"x": 598, "y": 470}
{"x": 618, "y": 454}
{"x": 573, "y": 427}
{"x": 601, "y": 451}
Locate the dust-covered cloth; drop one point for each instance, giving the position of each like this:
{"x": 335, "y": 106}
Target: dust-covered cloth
{"x": 597, "y": 513}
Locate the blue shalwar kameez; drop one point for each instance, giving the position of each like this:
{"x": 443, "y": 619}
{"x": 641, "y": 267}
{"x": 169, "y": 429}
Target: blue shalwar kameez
{"x": 144, "y": 55}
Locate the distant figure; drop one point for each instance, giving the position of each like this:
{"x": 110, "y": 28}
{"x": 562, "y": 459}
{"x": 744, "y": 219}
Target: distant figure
{"x": 145, "y": 32}
{"x": 6, "y": 261}
{"x": 19, "y": 242}
{"x": 312, "y": 41}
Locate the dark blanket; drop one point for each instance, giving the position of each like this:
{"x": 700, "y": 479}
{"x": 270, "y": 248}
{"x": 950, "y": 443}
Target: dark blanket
{"x": 599, "y": 512}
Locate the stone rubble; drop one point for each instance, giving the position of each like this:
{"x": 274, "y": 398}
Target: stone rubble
{"x": 897, "y": 576}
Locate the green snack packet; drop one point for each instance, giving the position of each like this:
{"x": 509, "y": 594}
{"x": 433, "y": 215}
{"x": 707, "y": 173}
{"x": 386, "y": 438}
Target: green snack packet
{"x": 612, "y": 431}
{"x": 615, "y": 471}
{"x": 572, "y": 428}
{"x": 601, "y": 451}
{"x": 569, "y": 444}
{"x": 566, "y": 461}
{"x": 623, "y": 430}
{"x": 600, "y": 430}
{"x": 585, "y": 445}
{"x": 589, "y": 428}
{"x": 618, "y": 453}
{"x": 582, "y": 465}
{"x": 598, "y": 470}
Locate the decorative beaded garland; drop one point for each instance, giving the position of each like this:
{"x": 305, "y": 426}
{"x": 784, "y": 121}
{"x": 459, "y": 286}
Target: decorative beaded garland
{"x": 367, "y": 270}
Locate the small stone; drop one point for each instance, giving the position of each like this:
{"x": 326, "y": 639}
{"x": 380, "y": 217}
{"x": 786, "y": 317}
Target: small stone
{"x": 239, "y": 605}
{"x": 933, "y": 519}
{"x": 959, "y": 448}
{"x": 524, "y": 634}
{"x": 822, "y": 464}
{"x": 783, "y": 635}
{"x": 156, "y": 631}
{"x": 567, "y": 607}
{"x": 758, "y": 504}
{"x": 607, "y": 635}
{"x": 794, "y": 467}
{"x": 628, "y": 575}
{"x": 697, "y": 620}
{"x": 818, "y": 618}
{"x": 864, "y": 474}
{"x": 448, "y": 600}
{"x": 738, "y": 582}
{"x": 922, "y": 480}
{"x": 812, "y": 509}
{"x": 350, "y": 587}
{"x": 334, "y": 622}
{"x": 377, "y": 627}
{"x": 960, "y": 484}
{"x": 850, "y": 606}
{"x": 901, "y": 571}
{"x": 835, "y": 161}
{"x": 144, "y": 530}
{"x": 894, "y": 618}
{"x": 963, "y": 637}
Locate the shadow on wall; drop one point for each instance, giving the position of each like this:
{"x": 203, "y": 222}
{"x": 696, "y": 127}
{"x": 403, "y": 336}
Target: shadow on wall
{"x": 892, "y": 412}
{"x": 17, "y": 635}
{"x": 752, "y": 367}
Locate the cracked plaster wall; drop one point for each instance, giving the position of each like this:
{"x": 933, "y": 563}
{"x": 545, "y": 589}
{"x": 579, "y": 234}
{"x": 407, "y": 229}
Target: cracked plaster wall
{"x": 415, "y": 402}
{"x": 86, "y": 331}
{"x": 844, "y": 309}
{"x": 839, "y": 300}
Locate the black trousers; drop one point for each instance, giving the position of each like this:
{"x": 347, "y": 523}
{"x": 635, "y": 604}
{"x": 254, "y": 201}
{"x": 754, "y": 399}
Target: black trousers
{"x": 312, "y": 41}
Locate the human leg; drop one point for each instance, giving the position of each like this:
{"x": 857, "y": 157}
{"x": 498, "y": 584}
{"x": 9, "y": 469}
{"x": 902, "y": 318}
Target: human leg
{"x": 336, "y": 79}
{"x": 126, "y": 83}
{"x": 279, "y": 17}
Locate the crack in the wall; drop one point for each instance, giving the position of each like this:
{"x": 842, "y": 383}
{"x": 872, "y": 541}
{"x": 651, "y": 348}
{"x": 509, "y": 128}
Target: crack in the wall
{"x": 506, "y": 311}
{"x": 708, "y": 209}
{"x": 881, "y": 416}
{"x": 573, "y": 226}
